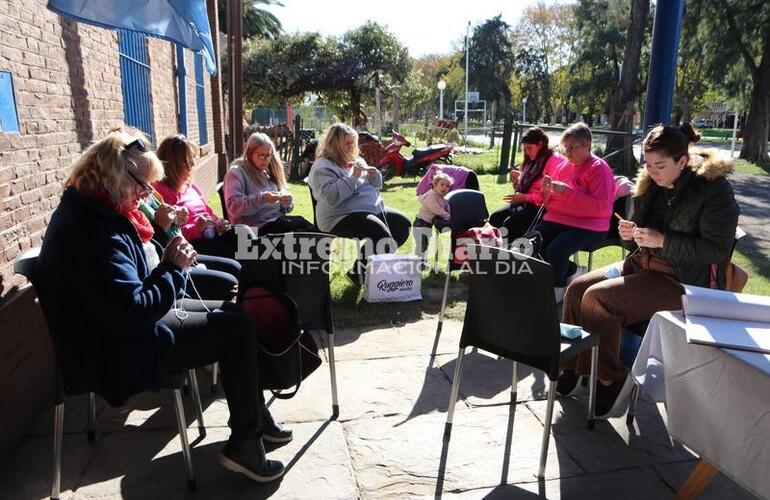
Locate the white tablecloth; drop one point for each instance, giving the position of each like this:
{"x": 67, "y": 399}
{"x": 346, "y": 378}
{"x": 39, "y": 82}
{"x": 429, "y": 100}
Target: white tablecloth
{"x": 717, "y": 400}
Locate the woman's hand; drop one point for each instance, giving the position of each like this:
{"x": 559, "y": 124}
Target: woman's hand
{"x": 559, "y": 187}
{"x": 649, "y": 238}
{"x": 284, "y": 198}
{"x": 179, "y": 252}
{"x": 515, "y": 174}
{"x": 626, "y": 229}
{"x": 357, "y": 169}
{"x": 272, "y": 197}
{"x": 515, "y": 199}
{"x": 371, "y": 172}
{"x": 182, "y": 214}
{"x": 547, "y": 186}
{"x": 223, "y": 225}
{"x": 165, "y": 216}
{"x": 202, "y": 221}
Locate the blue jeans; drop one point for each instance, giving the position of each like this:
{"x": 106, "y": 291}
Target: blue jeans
{"x": 560, "y": 242}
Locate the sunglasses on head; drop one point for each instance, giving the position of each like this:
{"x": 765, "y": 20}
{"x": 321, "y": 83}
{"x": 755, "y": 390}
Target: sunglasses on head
{"x": 137, "y": 143}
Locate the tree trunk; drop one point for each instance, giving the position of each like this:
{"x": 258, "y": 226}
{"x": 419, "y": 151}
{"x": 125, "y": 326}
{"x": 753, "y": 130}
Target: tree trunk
{"x": 494, "y": 120}
{"x": 396, "y": 112}
{"x": 359, "y": 117}
{"x": 622, "y": 106}
{"x": 755, "y": 133}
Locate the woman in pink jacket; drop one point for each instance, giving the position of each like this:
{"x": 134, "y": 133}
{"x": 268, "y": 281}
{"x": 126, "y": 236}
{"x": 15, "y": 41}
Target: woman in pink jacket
{"x": 579, "y": 198}
{"x": 518, "y": 215}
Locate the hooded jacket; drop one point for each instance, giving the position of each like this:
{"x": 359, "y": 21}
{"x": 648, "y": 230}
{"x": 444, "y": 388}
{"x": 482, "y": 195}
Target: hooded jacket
{"x": 700, "y": 224}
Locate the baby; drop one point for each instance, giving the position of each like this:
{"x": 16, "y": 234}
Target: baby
{"x": 434, "y": 210}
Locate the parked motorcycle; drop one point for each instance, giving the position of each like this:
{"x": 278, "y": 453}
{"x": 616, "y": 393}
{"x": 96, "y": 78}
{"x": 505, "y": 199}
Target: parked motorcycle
{"x": 394, "y": 163}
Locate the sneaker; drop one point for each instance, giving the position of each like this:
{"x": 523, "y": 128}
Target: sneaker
{"x": 611, "y": 399}
{"x": 248, "y": 458}
{"x": 580, "y": 271}
{"x": 558, "y": 292}
{"x": 568, "y": 383}
{"x": 272, "y": 431}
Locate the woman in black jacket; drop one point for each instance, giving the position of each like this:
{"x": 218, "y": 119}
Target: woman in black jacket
{"x": 682, "y": 232}
{"x": 121, "y": 320}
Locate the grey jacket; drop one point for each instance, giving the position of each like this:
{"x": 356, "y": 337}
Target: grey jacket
{"x": 339, "y": 194}
{"x": 245, "y": 200}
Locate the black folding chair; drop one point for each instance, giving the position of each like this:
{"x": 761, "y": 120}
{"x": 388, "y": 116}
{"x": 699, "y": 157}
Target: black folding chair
{"x": 306, "y": 278}
{"x": 220, "y": 189}
{"x": 512, "y": 312}
{"x": 26, "y": 265}
{"x": 468, "y": 209}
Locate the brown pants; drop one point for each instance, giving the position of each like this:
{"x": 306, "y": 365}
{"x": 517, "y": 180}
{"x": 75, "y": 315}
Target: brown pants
{"x": 604, "y": 305}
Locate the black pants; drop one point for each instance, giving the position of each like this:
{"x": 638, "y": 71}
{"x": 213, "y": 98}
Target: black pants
{"x": 217, "y": 281}
{"x": 384, "y": 235}
{"x": 226, "y": 335}
{"x": 287, "y": 224}
{"x": 421, "y": 230}
{"x": 514, "y": 219}
{"x": 254, "y": 271}
{"x": 560, "y": 242}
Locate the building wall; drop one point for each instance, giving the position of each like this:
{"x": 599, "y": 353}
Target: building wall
{"x": 67, "y": 85}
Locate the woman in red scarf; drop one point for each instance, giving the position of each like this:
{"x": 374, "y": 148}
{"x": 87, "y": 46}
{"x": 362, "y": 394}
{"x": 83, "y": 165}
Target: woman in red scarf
{"x": 121, "y": 321}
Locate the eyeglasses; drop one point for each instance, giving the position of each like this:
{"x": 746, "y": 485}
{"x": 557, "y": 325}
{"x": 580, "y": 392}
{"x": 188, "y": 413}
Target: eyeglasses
{"x": 146, "y": 189}
{"x": 573, "y": 147}
{"x": 264, "y": 156}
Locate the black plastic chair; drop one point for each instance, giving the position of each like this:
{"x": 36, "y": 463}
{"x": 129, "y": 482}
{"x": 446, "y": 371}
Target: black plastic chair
{"x": 306, "y": 280}
{"x": 469, "y": 209}
{"x": 512, "y": 312}
{"x": 26, "y": 265}
{"x": 220, "y": 189}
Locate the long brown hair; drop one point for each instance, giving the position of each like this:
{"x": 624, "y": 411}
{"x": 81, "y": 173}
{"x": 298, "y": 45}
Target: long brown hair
{"x": 274, "y": 167}
{"x": 175, "y": 151}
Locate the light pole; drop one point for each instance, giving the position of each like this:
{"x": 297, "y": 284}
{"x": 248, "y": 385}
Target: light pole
{"x": 467, "y": 58}
{"x": 441, "y": 86}
{"x": 524, "y": 109}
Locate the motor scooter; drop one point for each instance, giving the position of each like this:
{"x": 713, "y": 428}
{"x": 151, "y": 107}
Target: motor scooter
{"x": 394, "y": 163}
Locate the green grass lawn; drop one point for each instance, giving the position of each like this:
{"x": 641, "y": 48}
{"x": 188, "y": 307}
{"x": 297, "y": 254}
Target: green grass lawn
{"x": 350, "y": 309}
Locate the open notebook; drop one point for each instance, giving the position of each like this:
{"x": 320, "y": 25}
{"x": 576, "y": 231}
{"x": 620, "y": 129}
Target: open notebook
{"x": 726, "y": 319}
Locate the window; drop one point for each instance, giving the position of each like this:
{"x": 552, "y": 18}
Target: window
{"x": 200, "y": 99}
{"x": 135, "y": 81}
{"x": 181, "y": 74}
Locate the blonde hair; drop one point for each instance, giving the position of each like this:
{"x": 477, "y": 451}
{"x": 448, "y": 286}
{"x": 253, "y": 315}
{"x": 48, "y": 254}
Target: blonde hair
{"x": 174, "y": 151}
{"x": 104, "y": 165}
{"x": 274, "y": 167}
{"x": 330, "y": 146}
{"x": 441, "y": 176}
{"x": 578, "y": 131}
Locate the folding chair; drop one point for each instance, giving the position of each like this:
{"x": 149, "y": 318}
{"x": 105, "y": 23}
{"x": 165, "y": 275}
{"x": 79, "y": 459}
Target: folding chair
{"x": 469, "y": 209}
{"x": 26, "y": 265}
{"x": 512, "y": 312}
{"x": 306, "y": 280}
{"x": 220, "y": 189}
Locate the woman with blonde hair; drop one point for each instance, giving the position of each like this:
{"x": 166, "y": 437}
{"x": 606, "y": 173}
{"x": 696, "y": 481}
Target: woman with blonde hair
{"x": 256, "y": 193}
{"x": 349, "y": 201}
{"x": 119, "y": 320}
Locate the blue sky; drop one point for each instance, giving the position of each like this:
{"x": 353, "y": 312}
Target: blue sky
{"x": 425, "y": 27}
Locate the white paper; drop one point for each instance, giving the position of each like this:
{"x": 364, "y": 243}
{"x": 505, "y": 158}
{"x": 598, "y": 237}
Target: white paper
{"x": 727, "y": 319}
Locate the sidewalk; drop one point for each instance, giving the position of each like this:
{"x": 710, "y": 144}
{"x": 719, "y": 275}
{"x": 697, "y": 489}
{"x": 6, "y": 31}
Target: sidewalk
{"x": 387, "y": 442}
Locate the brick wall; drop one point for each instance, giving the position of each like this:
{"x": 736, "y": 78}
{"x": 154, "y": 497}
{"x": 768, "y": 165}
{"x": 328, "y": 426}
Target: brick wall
{"x": 68, "y": 93}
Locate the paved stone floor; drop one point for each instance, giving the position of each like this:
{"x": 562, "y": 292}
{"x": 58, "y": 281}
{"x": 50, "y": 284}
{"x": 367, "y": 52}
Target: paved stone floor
{"x": 386, "y": 443}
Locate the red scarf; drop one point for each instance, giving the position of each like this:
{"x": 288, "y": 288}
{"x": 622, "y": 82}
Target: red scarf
{"x": 135, "y": 216}
{"x": 141, "y": 223}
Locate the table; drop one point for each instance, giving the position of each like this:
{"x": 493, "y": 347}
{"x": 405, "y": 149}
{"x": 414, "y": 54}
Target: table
{"x": 717, "y": 400}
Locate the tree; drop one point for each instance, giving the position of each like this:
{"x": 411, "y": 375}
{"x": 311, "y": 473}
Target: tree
{"x": 627, "y": 88}
{"x": 257, "y": 22}
{"x": 491, "y": 63}
{"x": 743, "y": 28}
{"x": 342, "y": 72}
{"x": 549, "y": 34}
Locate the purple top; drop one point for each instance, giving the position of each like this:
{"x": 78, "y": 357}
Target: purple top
{"x": 457, "y": 173}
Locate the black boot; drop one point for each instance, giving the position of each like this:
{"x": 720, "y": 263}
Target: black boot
{"x": 247, "y": 457}
{"x": 272, "y": 431}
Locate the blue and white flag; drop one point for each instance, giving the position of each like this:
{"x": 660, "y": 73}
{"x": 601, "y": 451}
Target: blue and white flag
{"x": 184, "y": 22}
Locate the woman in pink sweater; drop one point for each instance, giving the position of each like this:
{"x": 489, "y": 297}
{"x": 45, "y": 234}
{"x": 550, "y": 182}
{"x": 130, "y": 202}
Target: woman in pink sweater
{"x": 517, "y": 216}
{"x": 579, "y": 198}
